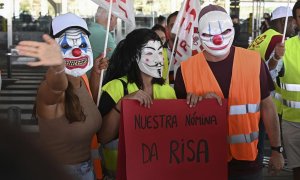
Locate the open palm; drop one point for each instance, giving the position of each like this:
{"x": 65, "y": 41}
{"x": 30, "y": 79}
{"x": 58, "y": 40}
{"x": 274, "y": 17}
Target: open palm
{"x": 48, "y": 52}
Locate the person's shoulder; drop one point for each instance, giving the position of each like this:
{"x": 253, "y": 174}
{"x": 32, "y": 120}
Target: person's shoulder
{"x": 293, "y": 39}
{"x": 244, "y": 50}
{"x": 196, "y": 56}
{"x": 112, "y": 85}
{"x": 91, "y": 25}
{"x": 272, "y": 31}
{"x": 248, "y": 53}
{"x": 276, "y": 38}
{"x": 96, "y": 27}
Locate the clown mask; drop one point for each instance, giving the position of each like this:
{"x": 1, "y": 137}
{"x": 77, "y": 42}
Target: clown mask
{"x": 77, "y": 52}
{"x": 216, "y": 33}
{"x": 151, "y": 62}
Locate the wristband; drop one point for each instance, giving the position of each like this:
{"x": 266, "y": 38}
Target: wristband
{"x": 278, "y": 149}
{"x": 61, "y": 71}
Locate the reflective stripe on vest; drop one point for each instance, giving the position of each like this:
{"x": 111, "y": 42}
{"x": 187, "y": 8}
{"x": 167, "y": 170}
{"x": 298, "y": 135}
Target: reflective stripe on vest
{"x": 290, "y": 82}
{"x": 291, "y": 87}
{"x": 291, "y": 104}
{"x": 276, "y": 96}
{"x": 243, "y": 138}
{"x": 244, "y": 109}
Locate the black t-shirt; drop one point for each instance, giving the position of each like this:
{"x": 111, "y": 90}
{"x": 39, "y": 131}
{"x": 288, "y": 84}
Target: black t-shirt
{"x": 106, "y": 104}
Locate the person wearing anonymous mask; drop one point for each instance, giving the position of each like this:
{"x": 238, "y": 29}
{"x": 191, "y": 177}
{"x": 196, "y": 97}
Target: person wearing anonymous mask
{"x": 68, "y": 117}
{"x": 239, "y": 75}
{"x": 134, "y": 72}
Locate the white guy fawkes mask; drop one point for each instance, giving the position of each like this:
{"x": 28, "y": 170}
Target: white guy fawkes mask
{"x": 76, "y": 51}
{"x": 216, "y": 32}
{"x": 151, "y": 62}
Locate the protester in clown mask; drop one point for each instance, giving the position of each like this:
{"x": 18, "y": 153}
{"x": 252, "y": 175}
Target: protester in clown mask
{"x": 239, "y": 75}
{"x": 68, "y": 117}
{"x": 134, "y": 72}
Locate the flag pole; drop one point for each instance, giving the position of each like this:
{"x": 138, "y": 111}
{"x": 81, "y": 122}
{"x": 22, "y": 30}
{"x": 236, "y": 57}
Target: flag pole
{"x": 286, "y": 20}
{"x": 104, "y": 53}
{"x": 175, "y": 42}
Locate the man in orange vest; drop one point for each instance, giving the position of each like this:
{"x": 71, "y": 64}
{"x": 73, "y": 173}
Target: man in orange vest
{"x": 239, "y": 75}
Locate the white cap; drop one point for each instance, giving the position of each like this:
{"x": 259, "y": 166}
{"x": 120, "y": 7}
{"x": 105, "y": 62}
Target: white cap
{"x": 280, "y": 12}
{"x": 66, "y": 21}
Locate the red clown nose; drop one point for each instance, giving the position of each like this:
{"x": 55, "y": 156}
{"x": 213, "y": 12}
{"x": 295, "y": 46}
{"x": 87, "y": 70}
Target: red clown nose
{"x": 76, "y": 52}
{"x": 217, "y": 39}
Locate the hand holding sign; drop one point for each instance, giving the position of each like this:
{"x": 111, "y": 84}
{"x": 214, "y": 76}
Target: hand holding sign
{"x": 192, "y": 99}
{"x": 173, "y": 141}
{"x": 143, "y": 97}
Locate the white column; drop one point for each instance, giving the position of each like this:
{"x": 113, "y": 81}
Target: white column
{"x": 227, "y": 6}
{"x": 173, "y": 5}
{"x": 16, "y": 8}
{"x": 8, "y": 6}
{"x": 152, "y": 12}
{"x": 44, "y": 7}
{"x": 119, "y": 36}
{"x": 64, "y": 6}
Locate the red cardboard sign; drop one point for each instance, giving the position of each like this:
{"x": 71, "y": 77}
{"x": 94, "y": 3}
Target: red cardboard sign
{"x": 172, "y": 141}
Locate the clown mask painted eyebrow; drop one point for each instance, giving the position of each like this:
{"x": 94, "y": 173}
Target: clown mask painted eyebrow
{"x": 76, "y": 51}
{"x": 216, "y": 32}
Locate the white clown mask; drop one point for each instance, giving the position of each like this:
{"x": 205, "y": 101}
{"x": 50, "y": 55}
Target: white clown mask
{"x": 216, "y": 33}
{"x": 76, "y": 51}
{"x": 151, "y": 62}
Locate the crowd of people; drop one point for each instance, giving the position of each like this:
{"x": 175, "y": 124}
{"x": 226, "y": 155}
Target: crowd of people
{"x": 261, "y": 84}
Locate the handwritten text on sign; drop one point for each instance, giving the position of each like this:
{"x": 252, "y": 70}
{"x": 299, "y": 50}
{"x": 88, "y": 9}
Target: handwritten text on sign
{"x": 172, "y": 141}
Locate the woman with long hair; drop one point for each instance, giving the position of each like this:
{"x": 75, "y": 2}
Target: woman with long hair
{"x": 68, "y": 118}
{"x": 134, "y": 72}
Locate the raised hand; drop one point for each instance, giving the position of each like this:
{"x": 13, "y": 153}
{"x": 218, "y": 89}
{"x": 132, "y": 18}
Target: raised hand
{"x": 143, "y": 97}
{"x": 192, "y": 99}
{"x": 212, "y": 95}
{"x": 48, "y": 52}
{"x": 100, "y": 63}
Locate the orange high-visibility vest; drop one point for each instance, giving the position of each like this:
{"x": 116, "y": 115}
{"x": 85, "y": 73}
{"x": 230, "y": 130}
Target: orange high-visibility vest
{"x": 94, "y": 145}
{"x": 243, "y": 100}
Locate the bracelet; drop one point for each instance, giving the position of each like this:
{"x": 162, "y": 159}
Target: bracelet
{"x": 275, "y": 59}
{"x": 115, "y": 108}
{"x": 58, "y": 72}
